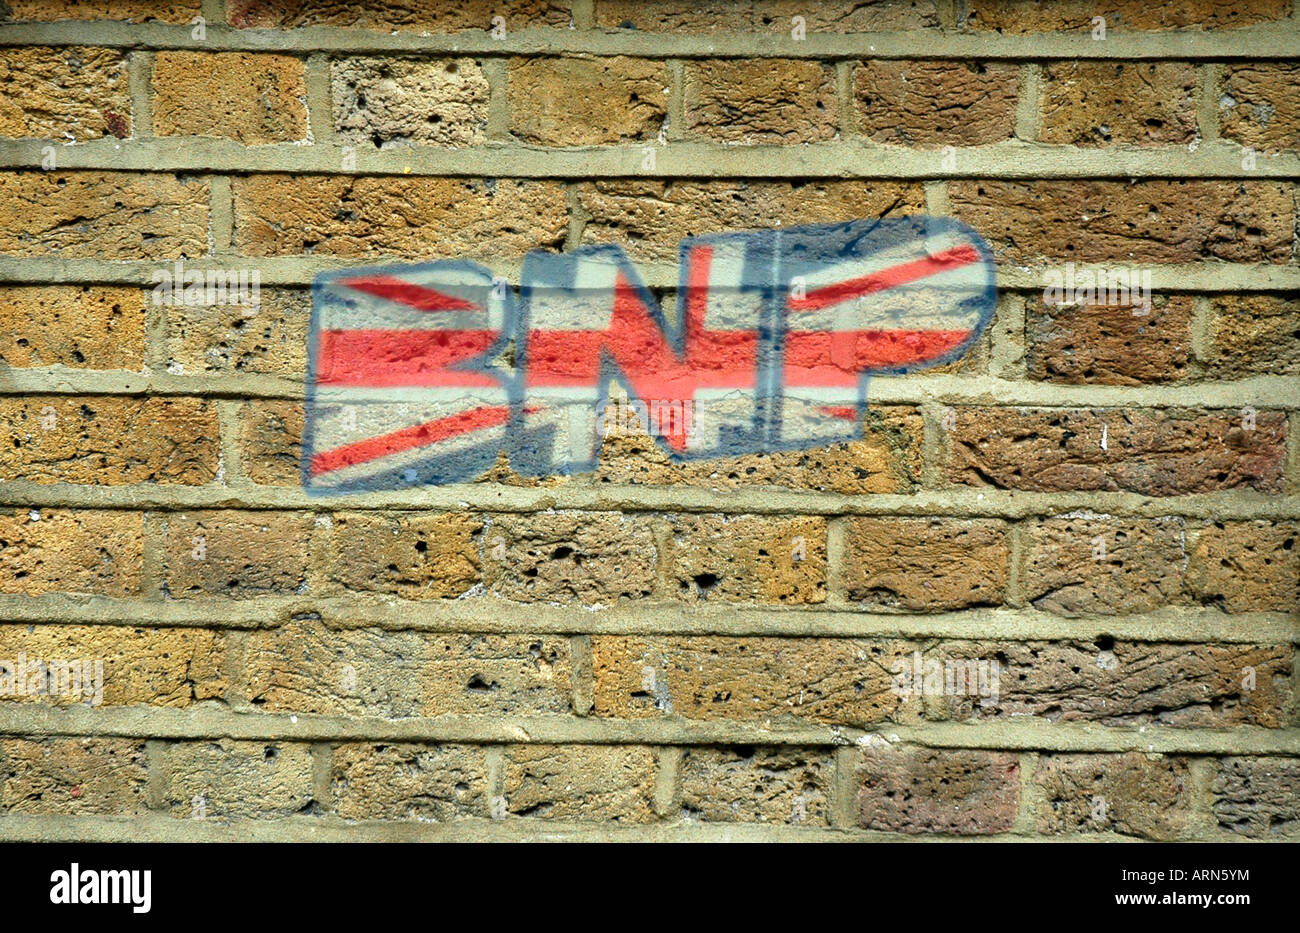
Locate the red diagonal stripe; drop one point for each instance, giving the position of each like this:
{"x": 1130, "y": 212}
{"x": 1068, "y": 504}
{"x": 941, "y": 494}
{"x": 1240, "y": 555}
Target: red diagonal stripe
{"x": 837, "y": 358}
{"x": 401, "y": 357}
{"x": 419, "y": 297}
{"x": 421, "y": 435}
{"x": 886, "y": 278}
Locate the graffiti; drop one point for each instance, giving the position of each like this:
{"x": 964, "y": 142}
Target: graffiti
{"x": 425, "y": 374}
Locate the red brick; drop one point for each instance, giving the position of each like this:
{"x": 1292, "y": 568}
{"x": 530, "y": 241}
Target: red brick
{"x": 235, "y": 554}
{"x": 774, "y": 16}
{"x": 64, "y": 93}
{"x": 284, "y": 215}
{"x": 934, "y": 103}
{"x": 937, "y": 791}
{"x": 1260, "y": 105}
{"x": 1099, "y": 344}
{"x": 926, "y": 564}
{"x": 840, "y": 681}
{"x": 270, "y": 442}
{"x": 761, "y": 100}
{"x": 463, "y": 16}
{"x": 1083, "y": 564}
{"x": 78, "y": 326}
{"x": 249, "y": 97}
{"x": 650, "y": 218}
{"x": 587, "y": 101}
{"x": 1022, "y": 17}
{"x": 746, "y": 558}
{"x": 1130, "y": 222}
{"x": 1156, "y": 453}
{"x": 72, "y": 776}
{"x": 103, "y": 215}
{"x": 108, "y": 440}
{"x": 1130, "y": 794}
{"x": 1247, "y": 566}
{"x": 1128, "y": 103}
{"x": 82, "y": 551}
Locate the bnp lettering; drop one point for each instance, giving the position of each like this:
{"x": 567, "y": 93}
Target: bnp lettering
{"x": 432, "y": 373}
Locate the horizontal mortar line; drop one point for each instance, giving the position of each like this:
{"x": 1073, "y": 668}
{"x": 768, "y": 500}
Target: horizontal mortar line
{"x": 1263, "y": 392}
{"x": 840, "y": 159}
{"x": 160, "y": 827}
{"x": 301, "y": 270}
{"x": 211, "y": 721}
{"x": 1178, "y": 624}
{"x": 1267, "y": 41}
{"x": 964, "y": 502}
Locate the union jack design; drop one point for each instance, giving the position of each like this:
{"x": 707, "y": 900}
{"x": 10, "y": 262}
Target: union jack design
{"x": 426, "y": 374}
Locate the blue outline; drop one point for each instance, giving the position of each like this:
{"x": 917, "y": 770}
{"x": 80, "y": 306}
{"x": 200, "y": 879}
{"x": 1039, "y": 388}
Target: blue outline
{"x": 531, "y": 449}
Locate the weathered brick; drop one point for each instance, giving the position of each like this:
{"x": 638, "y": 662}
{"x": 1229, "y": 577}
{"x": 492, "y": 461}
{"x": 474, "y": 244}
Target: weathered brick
{"x": 1129, "y": 683}
{"x": 394, "y": 101}
{"x": 79, "y": 326}
{"x": 64, "y": 93}
{"x": 587, "y": 101}
{"x": 412, "y": 555}
{"x": 580, "y": 782}
{"x": 282, "y": 215}
{"x": 1142, "y": 221}
{"x": 1152, "y": 452}
{"x": 1101, "y": 344}
{"x": 1130, "y": 794}
{"x": 304, "y": 667}
{"x": 1020, "y": 17}
{"x": 134, "y": 11}
{"x": 226, "y": 779}
{"x": 1129, "y": 103}
{"x": 1254, "y": 334}
{"x": 761, "y": 100}
{"x": 56, "y": 550}
{"x": 398, "y": 14}
{"x": 937, "y": 791}
{"x": 1083, "y": 563}
{"x": 270, "y": 442}
{"x": 1259, "y": 105}
{"x": 886, "y": 460}
{"x": 497, "y": 674}
{"x": 838, "y": 681}
{"x": 757, "y": 785}
{"x": 1247, "y": 566}
{"x": 250, "y": 97}
{"x": 103, "y": 215}
{"x": 269, "y": 338}
{"x": 587, "y": 557}
{"x": 1257, "y": 796}
{"x": 926, "y": 564}
{"x": 428, "y": 783}
{"x": 768, "y": 15}
{"x": 649, "y": 218}
{"x": 141, "y": 666}
{"x": 747, "y": 558}
{"x": 72, "y": 776}
{"x": 108, "y": 440}
{"x": 935, "y": 103}
{"x": 234, "y": 554}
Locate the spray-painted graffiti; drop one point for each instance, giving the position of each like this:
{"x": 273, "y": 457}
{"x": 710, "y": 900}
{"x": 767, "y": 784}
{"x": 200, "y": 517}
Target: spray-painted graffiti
{"x": 424, "y": 374}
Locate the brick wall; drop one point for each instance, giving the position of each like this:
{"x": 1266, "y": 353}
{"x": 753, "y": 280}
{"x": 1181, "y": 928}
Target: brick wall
{"x": 1105, "y": 504}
